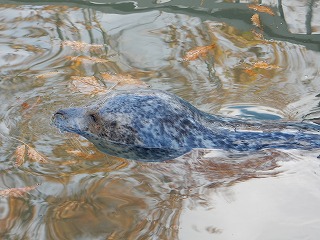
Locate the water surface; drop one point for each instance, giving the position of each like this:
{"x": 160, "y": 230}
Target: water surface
{"x": 84, "y": 194}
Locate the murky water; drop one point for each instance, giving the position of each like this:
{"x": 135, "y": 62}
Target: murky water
{"x": 84, "y": 194}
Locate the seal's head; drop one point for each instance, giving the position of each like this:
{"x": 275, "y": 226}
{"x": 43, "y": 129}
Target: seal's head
{"x": 143, "y": 125}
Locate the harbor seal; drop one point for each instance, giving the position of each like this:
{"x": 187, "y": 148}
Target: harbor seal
{"x": 154, "y": 125}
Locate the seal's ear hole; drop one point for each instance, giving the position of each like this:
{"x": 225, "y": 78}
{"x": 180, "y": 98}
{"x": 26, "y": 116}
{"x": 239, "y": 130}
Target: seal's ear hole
{"x": 93, "y": 117}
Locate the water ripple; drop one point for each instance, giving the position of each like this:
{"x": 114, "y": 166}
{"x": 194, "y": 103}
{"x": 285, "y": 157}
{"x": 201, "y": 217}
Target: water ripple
{"x": 86, "y": 194}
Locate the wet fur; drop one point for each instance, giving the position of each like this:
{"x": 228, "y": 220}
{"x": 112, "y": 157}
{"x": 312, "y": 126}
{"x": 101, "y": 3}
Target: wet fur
{"x": 153, "y": 125}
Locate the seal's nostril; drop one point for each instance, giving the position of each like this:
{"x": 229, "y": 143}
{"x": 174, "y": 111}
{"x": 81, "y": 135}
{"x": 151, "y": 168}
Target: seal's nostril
{"x": 59, "y": 115}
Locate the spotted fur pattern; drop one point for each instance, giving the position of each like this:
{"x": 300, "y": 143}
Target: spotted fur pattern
{"x": 153, "y": 125}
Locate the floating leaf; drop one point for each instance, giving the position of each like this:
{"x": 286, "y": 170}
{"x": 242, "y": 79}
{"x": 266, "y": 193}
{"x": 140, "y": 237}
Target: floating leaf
{"x": 87, "y": 85}
{"x": 78, "y": 46}
{"x": 197, "y": 52}
{"x": 79, "y": 59}
{"x": 253, "y": 70}
{"x": 258, "y": 35}
{"x": 47, "y": 75}
{"x": 35, "y": 156}
{"x": 122, "y": 79}
{"x": 264, "y": 65}
{"x": 17, "y": 192}
{"x": 19, "y": 155}
{"x": 263, "y": 9}
{"x": 249, "y": 71}
{"x": 256, "y": 20}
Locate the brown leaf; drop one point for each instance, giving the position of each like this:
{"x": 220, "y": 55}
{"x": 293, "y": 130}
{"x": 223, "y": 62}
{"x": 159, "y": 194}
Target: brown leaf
{"x": 47, "y": 75}
{"x": 19, "y": 154}
{"x": 26, "y": 106}
{"x": 122, "y": 79}
{"x": 249, "y": 71}
{"x": 35, "y": 156}
{"x": 253, "y": 70}
{"x": 256, "y": 20}
{"x": 258, "y": 35}
{"x": 197, "y": 52}
{"x": 17, "y": 192}
{"x": 260, "y": 8}
{"x": 80, "y": 59}
{"x": 87, "y": 85}
{"x": 78, "y": 46}
{"x": 29, "y": 48}
{"x": 264, "y": 65}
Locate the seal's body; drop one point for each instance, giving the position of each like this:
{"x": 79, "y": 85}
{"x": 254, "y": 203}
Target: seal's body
{"x": 153, "y": 125}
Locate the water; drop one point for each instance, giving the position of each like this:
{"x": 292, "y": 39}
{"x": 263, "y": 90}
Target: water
{"x": 84, "y": 194}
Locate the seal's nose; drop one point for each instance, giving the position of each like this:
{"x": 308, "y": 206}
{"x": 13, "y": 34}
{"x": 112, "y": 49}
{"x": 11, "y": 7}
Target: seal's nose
{"x": 59, "y": 115}
{"x": 67, "y": 116}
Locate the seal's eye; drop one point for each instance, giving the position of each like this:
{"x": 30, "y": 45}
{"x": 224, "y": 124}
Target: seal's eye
{"x": 93, "y": 117}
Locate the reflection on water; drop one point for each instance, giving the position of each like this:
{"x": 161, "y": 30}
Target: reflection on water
{"x": 206, "y": 194}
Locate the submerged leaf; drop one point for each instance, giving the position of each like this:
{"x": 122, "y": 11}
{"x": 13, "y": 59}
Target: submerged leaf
{"x": 19, "y": 154}
{"x": 197, "y": 52}
{"x": 17, "y": 192}
{"x": 87, "y": 85}
{"x": 256, "y": 20}
{"x": 26, "y": 106}
{"x": 260, "y": 8}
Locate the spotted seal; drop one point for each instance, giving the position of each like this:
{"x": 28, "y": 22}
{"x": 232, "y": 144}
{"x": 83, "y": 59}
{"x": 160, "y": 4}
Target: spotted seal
{"x": 154, "y": 125}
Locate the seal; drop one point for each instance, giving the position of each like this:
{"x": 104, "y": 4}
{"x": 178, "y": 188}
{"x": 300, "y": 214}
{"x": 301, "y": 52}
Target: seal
{"x": 154, "y": 125}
